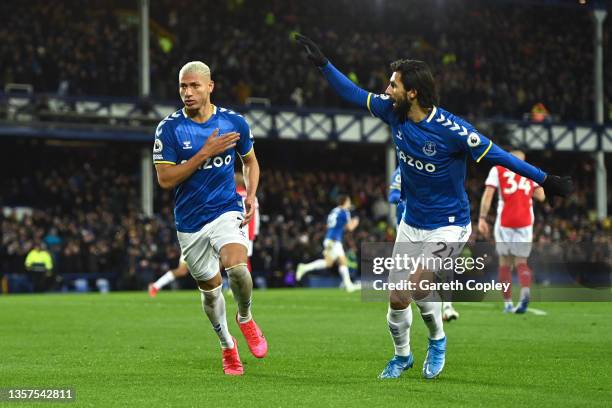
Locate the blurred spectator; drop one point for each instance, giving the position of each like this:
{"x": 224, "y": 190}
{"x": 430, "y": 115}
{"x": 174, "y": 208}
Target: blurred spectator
{"x": 539, "y": 113}
{"x": 491, "y": 58}
{"x": 88, "y": 212}
{"x": 39, "y": 265}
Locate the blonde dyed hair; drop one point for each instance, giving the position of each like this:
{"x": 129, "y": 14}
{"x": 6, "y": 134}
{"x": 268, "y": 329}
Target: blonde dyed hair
{"x": 195, "y": 67}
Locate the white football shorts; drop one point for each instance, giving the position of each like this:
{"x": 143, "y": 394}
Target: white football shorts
{"x": 201, "y": 249}
{"x": 332, "y": 249}
{"x": 513, "y": 241}
{"x": 443, "y": 242}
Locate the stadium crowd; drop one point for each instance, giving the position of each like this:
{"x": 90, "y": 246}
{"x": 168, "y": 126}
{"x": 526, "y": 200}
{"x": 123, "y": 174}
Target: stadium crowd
{"x": 492, "y": 58}
{"x": 87, "y": 214}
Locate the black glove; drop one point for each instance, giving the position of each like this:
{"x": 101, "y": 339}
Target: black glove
{"x": 556, "y": 185}
{"x": 313, "y": 52}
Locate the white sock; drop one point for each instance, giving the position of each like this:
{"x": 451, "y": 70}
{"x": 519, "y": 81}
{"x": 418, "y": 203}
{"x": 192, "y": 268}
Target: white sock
{"x": 448, "y": 305}
{"x": 314, "y": 265}
{"x": 163, "y": 280}
{"x": 431, "y": 312}
{"x": 525, "y": 293}
{"x": 213, "y": 304}
{"x": 346, "y": 276}
{"x": 242, "y": 287}
{"x": 399, "y": 327}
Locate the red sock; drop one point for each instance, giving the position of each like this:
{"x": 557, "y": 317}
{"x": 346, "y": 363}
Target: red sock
{"x": 524, "y": 275}
{"x": 505, "y": 276}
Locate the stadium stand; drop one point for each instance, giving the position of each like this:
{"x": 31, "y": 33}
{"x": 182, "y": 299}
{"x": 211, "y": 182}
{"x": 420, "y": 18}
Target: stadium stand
{"x": 87, "y": 212}
{"x": 82, "y": 198}
{"x": 483, "y": 69}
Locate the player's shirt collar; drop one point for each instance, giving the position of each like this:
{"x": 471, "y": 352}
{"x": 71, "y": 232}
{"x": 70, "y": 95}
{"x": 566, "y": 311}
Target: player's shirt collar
{"x": 187, "y": 117}
{"x": 427, "y": 119}
{"x": 432, "y": 114}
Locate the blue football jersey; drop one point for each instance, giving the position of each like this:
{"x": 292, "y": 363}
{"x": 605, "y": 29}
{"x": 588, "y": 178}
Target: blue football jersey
{"x": 211, "y": 190}
{"x": 432, "y": 158}
{"x": 396, "y": 195}
{"x": 395, "y": 186}
{"x": 336, "y": 221}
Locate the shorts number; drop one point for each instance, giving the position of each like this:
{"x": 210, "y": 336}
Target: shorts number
{"x": 443, "y": 248}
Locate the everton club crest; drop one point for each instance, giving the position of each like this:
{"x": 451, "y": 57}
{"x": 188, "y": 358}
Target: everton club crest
{"x": 429, "y": 148}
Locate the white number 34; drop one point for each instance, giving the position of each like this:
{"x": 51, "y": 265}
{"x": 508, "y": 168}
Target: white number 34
{"x": 523, "y": 184}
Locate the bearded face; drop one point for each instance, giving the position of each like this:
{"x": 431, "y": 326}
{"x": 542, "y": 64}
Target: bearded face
{"x": 401, "y": 105}
{"x": 397, "y": 93}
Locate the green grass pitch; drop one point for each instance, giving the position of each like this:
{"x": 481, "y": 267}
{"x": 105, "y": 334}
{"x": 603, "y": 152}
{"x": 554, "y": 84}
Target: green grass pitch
{"x": 326, "y": 349}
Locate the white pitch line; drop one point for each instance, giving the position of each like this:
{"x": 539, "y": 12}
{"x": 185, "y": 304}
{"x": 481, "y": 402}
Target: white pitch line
{"x": 537, "y": 312}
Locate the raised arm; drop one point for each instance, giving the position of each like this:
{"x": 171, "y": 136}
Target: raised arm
{"x": 498, "y": 156}
{"x": 553, "y": 185}
{"x": 336, "y": 79}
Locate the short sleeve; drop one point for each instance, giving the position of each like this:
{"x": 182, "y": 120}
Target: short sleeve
{"x": 164, "y": 151}
{"x": 245, "y": 143}
{"x": 381, "y": 106}
{"x": 493, "y": 178}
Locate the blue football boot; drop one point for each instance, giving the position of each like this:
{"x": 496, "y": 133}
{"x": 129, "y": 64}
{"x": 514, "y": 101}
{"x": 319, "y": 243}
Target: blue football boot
{"x": 396, "y": 366}
{"x": 434, "y": 362}
{"x": 522, "y": 307}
